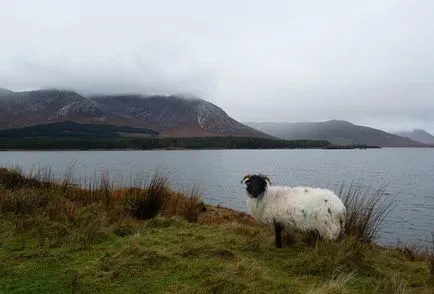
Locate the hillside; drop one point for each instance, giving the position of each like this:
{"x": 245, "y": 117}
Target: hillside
{"x": 169, "y": 115}
{"x": 418, "y": 136}
{"x": 175, "y": 116}
{"x": 335, "y": 131}
{"x": 21, "y": 109}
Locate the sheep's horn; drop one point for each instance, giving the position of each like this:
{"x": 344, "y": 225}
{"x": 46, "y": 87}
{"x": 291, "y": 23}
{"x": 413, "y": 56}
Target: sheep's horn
{"x": 267, "y": 179}
{"x": 245, "y": 178}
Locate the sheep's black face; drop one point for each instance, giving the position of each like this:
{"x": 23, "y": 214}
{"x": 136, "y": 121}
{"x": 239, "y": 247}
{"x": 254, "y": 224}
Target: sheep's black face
{"x": 256, "y": 185}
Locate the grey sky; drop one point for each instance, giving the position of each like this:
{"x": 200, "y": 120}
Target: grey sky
{"x": 370, "y": 62}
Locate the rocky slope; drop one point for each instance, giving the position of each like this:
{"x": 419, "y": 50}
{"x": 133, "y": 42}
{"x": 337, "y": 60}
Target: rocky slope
{"x": 20, "y": 109}
{"x": 169, "y": 115}
{"x": 175, "y": 116}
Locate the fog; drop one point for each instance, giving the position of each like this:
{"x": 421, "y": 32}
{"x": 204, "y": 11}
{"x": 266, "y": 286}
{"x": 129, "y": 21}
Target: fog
{"x": 370, "y": 62}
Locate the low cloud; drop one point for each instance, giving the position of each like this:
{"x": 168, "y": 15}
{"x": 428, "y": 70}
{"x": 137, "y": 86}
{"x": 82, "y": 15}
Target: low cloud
{"x": 369, "y": 62}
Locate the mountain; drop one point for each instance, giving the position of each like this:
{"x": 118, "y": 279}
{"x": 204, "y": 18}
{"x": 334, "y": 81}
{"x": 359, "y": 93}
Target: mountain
{"x": 168, "y": 115}
{"x": 336, "y": 132}
{"x": 21, "y": 109}
{"x": 418, "y": 135}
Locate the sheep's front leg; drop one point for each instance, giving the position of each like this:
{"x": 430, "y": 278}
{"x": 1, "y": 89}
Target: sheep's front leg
{"x": 278, "y": 234}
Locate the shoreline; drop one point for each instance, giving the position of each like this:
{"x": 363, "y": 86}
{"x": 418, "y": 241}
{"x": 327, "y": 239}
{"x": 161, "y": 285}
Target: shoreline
{"x": 198, "y": 149}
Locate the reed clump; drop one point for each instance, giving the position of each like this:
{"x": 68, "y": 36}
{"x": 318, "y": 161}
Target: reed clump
{"x": 367, "y": 208}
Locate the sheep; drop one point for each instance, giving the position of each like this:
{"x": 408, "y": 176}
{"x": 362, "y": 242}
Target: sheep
{"x": 302, "y": 209}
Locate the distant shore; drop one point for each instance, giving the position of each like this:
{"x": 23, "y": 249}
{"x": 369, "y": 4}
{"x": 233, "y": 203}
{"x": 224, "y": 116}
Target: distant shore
{"x": 191, "y": 149}
{"x": 155, "y": 143}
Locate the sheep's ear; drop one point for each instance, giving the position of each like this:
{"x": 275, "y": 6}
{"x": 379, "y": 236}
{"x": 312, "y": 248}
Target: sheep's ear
{"x": 246, "y": 178}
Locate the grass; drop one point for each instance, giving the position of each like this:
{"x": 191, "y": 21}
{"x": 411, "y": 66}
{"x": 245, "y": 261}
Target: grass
{"x": 58, "y": 238}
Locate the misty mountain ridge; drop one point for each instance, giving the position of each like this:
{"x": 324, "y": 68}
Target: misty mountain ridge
{"x": 171, "y": 115}
{"x": 418, "y": 135}
{"x": 337, "y": 132}
{"x": 174, "y": 115}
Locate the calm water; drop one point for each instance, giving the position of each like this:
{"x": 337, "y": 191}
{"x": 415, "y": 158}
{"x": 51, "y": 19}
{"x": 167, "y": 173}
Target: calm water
{"x": 409, "y": 174}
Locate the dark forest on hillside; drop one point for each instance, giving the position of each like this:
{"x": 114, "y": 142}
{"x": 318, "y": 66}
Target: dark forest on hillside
{"x": 73, "y": 129}
{"x": 86, "y": 143}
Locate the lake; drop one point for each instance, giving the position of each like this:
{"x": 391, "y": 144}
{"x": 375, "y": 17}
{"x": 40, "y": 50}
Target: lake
{"x": 408, "y": 173}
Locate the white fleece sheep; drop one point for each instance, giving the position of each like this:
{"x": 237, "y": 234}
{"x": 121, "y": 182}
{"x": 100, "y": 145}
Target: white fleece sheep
{"x": 301, "y": 209}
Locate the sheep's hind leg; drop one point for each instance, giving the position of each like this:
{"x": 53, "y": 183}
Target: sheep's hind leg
{"x": 313, "y": 238}
{"x": 290, "y": 236}
{"x": 278, "y": 233}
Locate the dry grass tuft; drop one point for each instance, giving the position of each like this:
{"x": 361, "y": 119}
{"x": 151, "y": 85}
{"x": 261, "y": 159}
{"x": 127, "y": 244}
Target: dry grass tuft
{"x": 347, "y": 255}
{"x": 157, "y": 198}
{"x": 393, "y": 285}
{"x": 186, "y": 205}
{"x": 367, "y": 208}
{"x": 53, "y": 211}
{"x": 338, "y": 284}
{"x": 411, "y": 252}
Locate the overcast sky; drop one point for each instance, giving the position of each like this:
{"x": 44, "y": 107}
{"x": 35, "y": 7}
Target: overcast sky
{"x": 369, "y": 62}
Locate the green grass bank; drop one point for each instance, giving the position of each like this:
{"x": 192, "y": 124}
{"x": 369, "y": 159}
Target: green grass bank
{"x": 58, "y": 238}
